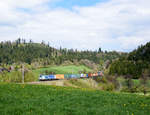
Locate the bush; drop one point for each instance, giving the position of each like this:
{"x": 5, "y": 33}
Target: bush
{"x": 89, "y": 64}
{"x": 101, "y": 79}
{"x": 144, "y": 89}
{"x": 74, "y": 81}
{"x": 4, "y": 77}
{"x": 16, "y": 77}
{"x": 125, "y": 89}
{"x": 29, "y": 77}
{"x": 108, "y": 87}
{"x": 135, "y": 89}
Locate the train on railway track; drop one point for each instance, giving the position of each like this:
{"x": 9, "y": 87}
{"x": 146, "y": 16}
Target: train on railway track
{"x": 68, "y": 76}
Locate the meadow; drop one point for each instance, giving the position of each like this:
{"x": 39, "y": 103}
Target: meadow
{"x": 33, "y": 74}
{"x": 62, "y": 69}
{"x": 52, "y": 100}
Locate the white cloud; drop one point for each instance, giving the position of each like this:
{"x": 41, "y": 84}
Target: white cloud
{"x": 114, "y": 25}
{"x": 23, "y": 3}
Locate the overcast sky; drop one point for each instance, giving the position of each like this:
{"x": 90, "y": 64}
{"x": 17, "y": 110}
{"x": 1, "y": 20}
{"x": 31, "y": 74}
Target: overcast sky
{"x": 119, "y": 25}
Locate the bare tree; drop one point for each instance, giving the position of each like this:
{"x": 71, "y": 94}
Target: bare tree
{"x": 144, "y": 80}
{"x": 129, "y": 82}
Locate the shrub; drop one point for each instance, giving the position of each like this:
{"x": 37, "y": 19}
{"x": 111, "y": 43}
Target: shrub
{"x": 4, "y": 77}
{"x": 124, "y": 89}
{"x": 89, "y": 64}
{"x": 101, "y": 79}
{"x": 73, "y": 81}
{"x": 108, "y": 87}
{"x": 144, "y": 89}
{"x": 15, "y": 76}
{"x": 29, "y": 76}
{"x": 134, "y": 89}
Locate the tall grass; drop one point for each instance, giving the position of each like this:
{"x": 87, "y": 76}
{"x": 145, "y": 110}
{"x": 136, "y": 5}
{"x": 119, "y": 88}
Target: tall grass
{"x": 16, "y": 77}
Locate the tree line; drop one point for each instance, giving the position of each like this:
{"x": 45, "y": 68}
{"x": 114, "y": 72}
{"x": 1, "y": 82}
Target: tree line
{"x": 28, "y": 52}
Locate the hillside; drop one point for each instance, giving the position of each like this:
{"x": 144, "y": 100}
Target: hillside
{"x": 136, "y": 64}
{"x": 62, "y": 69}
{"x": 21, "y": 51}
{"x": 37, "y": 99}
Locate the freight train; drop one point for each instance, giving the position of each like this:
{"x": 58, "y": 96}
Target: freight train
{"x": 68, "y": 76}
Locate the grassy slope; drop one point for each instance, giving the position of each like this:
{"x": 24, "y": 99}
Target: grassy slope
{"x": 63, "y": 69}
{"x": 37, "y": 99}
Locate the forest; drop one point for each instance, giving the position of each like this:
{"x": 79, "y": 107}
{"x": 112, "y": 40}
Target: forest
{"x": 135, "y": 64}
{"x": 21, "y": 51}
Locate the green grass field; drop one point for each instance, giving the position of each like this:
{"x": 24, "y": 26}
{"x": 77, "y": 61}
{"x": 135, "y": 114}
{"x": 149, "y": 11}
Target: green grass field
{"x": 17, "y": 99}
{"x": 62, "y": 69}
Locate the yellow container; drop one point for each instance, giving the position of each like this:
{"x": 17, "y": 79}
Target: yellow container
{"x": 59, "y": 76}
{"x": 85, "y": 75}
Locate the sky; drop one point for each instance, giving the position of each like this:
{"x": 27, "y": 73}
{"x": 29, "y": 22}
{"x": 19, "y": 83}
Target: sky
{"x": 120, "y": 25}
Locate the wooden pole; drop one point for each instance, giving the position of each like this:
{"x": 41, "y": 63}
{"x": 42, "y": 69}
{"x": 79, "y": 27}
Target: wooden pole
{"x": 22, "y": 73}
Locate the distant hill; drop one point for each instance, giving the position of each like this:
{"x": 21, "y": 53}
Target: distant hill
{"x": 21, "y": 51}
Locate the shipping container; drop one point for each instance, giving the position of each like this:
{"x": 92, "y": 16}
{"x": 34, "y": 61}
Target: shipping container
{"x": 73, "y": 76}
{"x": 84, "y": 75}
{"x": 66, "y": 76}
{"x": 89, "y": 74}
{"x": 100, "y": 73}
{"x": 59, "y": 76}
{"x": 94, "y": 74}
{"x": 77, "y": 75}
